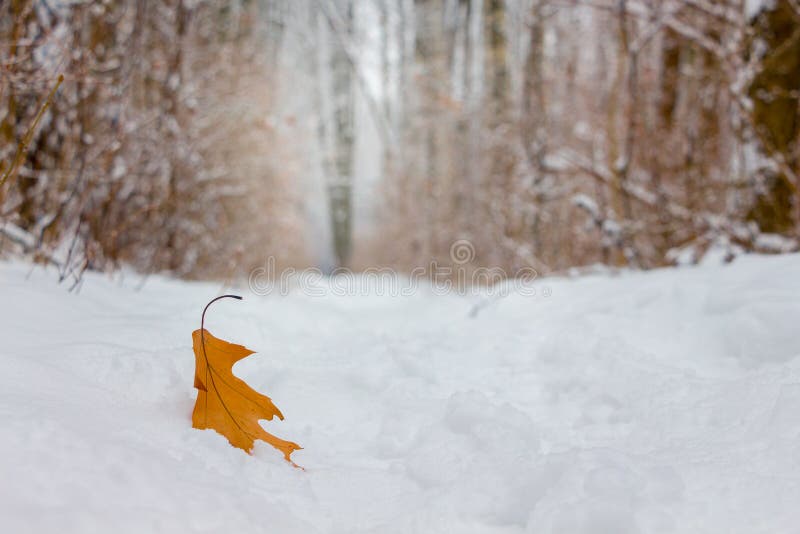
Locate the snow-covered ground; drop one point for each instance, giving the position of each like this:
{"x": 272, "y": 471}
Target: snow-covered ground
{"x": 646, "y": 402}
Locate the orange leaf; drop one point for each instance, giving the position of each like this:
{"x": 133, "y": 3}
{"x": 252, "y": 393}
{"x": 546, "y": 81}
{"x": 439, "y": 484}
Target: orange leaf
{"x": 226, "y": 403}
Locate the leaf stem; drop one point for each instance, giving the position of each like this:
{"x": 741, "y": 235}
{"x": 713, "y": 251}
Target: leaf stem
{"x": 203, "y": 318}
{"x": 208, "y": 364}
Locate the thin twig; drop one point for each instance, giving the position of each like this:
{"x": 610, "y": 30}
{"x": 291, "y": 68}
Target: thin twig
{"x": 22, "y": 147}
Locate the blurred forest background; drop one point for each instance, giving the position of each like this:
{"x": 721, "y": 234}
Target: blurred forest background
{"x": 197, "y": 137}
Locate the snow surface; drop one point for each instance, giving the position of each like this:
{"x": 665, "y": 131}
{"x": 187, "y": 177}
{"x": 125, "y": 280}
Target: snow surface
{"x": 660, "y": 402}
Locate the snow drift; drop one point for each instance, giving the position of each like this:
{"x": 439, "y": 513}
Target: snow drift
{"x": 659, "y": 402}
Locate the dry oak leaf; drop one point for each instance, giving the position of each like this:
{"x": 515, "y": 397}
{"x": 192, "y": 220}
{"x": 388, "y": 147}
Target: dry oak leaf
{"x": 226, "y": 403}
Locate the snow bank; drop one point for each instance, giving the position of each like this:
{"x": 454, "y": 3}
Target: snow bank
{"x": 659, "y": 402}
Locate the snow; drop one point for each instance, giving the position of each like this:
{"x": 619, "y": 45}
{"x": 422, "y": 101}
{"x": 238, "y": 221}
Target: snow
{"x": 587, "y": 203}
{"x": 754, "y": 7}
{"x": 653, "y": 402}
{"x": 775, "y": 243}
{"x": 18, "y": 235}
